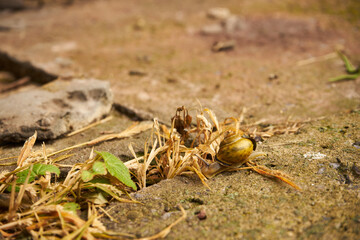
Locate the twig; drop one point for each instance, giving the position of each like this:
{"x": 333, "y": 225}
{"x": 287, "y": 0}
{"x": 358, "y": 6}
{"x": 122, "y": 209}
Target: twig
{"x": 316, "y": 59}
{"x": 90, "y": 126}
{"x": 262, "y": 170}
{"x": 26, "y": 149}
{"x": 132, "y": 130}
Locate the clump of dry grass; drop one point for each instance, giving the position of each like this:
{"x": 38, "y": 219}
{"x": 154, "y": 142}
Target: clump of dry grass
{"x": 185, "y": 146}
{"x": 43, "y": 206}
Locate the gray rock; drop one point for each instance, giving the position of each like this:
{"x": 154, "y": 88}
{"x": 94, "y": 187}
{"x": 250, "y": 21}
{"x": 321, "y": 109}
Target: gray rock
{"x": 54, "y": 109}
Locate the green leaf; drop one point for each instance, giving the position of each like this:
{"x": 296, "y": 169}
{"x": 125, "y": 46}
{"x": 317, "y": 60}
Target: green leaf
{"x": 42, "y": 169}
{"x": 23, "y": 174}
{"x": 107, "y": 189}
{"x": 99, "y": 168}
{"x": 117, "y": 169}
{"x": 71, "y": 207}
{"x": 38, "y": 169}
{"x": 100, "y": 180}
{"x": 8, "y": 189}
{"x": 87, "y": 175}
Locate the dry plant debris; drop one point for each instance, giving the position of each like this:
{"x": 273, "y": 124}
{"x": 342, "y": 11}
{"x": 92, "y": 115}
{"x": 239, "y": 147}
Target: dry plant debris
{"x": 40, "y": 205}
{"x": 37, "y": 203}
{"x": 186, "y": 147}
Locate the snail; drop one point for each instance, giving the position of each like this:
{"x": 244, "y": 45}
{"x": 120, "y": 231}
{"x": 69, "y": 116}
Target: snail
{"x": 234, "y": 151}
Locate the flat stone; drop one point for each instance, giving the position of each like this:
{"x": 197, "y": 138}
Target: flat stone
{"x": 54, "y": 109}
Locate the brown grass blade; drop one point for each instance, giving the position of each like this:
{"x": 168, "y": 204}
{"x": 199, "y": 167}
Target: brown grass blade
{"x": 89, "y": 126}
{"x": 271, "y": 173}
{"x": 131, "y": 131}
{"x": 7, "y": 158}
{"x": 82, "y": 231}
{"x": 26, "y": 149}
{"x": 22, "y": 190}
{"x": 21, "y": 222}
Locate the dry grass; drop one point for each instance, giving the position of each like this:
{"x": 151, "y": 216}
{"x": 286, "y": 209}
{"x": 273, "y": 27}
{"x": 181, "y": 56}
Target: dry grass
{"x": 41, "y": 206}
{"x": 46, "y": 207}
{"x": 185, "y": 146}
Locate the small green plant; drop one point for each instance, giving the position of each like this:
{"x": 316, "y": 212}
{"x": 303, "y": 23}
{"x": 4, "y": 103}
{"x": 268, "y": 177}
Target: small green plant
{"x": 353, "y": 72}
{"x": 49, "y": 205}
{"x": 112, "y": 165}
{"x": 35, "y": 171}
{"x": 38, "y": 169}
{"x": 71, "y": 207}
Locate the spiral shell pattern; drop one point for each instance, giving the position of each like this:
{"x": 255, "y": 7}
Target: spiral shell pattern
{"x": 234, "y": 150}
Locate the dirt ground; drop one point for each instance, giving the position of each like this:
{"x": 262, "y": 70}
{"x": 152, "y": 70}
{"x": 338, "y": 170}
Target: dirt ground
{"x": 156, "y": 59}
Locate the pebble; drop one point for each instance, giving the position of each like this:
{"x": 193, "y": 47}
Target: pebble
{"x": 218, "y": 13}
{"x": 356, "y": 170}
{"x": 212, "y": 29}
{"x": 272, "y": 76}
{"x": 223, "y": 46}
{"x": 202, "y": 215}
{"x": 167, "y": 207}
{"x": 137, "y": 73}
{"x": 356, "y": 144}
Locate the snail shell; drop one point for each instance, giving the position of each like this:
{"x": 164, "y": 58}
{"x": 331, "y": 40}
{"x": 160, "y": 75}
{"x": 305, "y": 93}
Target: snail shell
{"x": 234, "y": 151}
